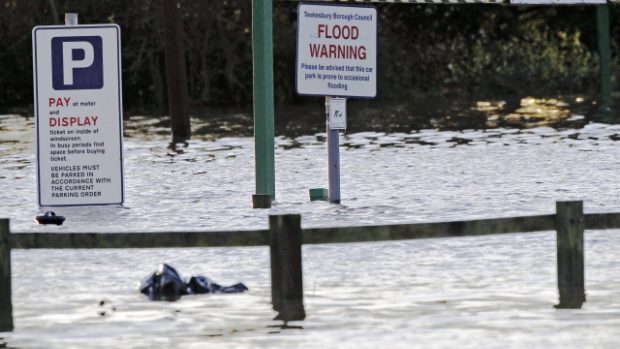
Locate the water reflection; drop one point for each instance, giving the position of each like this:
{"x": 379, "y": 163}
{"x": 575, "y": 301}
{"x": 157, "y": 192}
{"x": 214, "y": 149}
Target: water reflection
{"x": 270, "y": 329}
{"x": 442, "y": 114}
{"x": 532, "y": 112}
{"x": 5, "y": 345}
{"x": 397, "y": 166}
{"x": 285, "y": 326}
{"x": 220, "y": 169}
{"x": 364, "y": 116}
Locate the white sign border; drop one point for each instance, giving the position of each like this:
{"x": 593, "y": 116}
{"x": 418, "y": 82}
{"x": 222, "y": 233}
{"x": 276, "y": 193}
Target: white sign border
{"x": 376, "y": 52}
{"x": 120, "y": 105}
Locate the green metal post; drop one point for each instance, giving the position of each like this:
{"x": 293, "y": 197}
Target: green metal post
{"x": 262, "y": 55}
{"x": 604, "y": 53}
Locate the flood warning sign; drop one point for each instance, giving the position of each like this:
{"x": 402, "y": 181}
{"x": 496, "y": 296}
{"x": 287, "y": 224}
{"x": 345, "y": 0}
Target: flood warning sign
{"x": 336, "y": 50}
{"x": 78, "y": 112}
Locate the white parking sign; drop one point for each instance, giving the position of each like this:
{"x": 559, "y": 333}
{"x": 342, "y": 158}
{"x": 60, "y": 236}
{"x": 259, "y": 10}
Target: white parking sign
{"x": 78, "y": 111}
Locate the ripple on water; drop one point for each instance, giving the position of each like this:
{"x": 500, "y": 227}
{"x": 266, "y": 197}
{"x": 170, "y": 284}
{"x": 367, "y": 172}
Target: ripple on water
{"x": 492, "y": 291}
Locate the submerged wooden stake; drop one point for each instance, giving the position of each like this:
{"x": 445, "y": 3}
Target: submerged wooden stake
{"x": 286, "y": 271}
{"x": 6, "y": 304}
{"x": 570, "y": 225}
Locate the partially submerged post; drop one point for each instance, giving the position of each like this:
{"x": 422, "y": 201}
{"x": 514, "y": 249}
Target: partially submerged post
{"x": 604, "y": 56}
{"x": 175, "y": 73}
{"x": 319, "y": 194}
{"x": 262, "y": 59}
{"x": 570, "y": 226}
{"x": 6, "y": 304}
{"x": 336, "y": 110}
{"x": 286, "y": 272}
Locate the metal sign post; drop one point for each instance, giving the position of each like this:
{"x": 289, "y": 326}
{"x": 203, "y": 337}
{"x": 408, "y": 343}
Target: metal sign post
{"x": 336, "y": 110}
{"x": 71, "y": 18}
{"x": 336, "y": 56}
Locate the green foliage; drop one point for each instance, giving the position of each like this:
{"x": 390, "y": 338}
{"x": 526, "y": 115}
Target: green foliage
{"x": 537, "y": 62}
{"x": 485, "y": 51}
{"x": 453, "y": 50}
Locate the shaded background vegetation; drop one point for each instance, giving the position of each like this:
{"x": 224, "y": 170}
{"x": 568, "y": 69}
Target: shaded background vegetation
{"x": 460, "y": 51}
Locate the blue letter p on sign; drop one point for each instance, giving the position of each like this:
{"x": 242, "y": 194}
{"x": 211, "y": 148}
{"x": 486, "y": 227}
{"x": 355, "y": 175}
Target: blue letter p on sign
{"x": 77, "y": 63}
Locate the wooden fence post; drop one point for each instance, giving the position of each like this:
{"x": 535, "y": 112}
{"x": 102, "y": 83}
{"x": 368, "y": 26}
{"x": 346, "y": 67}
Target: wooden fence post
{"x": 286, "y": 272}
{"x": 6, "y": 303}
{"x": 570, "y": 226}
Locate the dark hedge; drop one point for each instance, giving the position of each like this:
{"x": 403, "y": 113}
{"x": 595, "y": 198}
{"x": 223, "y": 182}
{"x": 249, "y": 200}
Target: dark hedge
{"x": 449, "y": 50}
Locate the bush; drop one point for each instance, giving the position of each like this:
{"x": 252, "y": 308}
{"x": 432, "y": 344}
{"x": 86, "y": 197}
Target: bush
{"x": 451, "y": 50}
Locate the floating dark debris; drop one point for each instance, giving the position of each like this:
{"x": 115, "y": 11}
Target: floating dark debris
{"x": 50, "y": 217}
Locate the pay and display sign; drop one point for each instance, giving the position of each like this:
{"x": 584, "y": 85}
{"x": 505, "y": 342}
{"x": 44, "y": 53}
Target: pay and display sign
{"x": 78, "y": 110}
{"x": 336, "y": 51}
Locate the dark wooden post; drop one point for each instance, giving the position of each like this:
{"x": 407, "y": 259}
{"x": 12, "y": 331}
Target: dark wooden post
{"x": 570, "y": 226}
{"x": 6, "y": 304}
{"x": 286, "y": 272}
{"x": 175, "y": 72}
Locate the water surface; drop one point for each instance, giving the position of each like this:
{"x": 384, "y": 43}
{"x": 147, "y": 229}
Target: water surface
{"x": 477, "y": 292}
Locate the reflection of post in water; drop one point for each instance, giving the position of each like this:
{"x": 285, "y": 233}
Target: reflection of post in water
{"x": 175, "y": 72}
{"x": 284, "y": 326}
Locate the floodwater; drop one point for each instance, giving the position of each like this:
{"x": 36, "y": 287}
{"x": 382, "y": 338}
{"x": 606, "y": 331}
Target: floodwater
{"x": 475, "y": 292}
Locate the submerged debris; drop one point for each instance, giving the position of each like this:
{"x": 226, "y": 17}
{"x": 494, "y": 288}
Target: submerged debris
{"x": 167, "y": 284}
